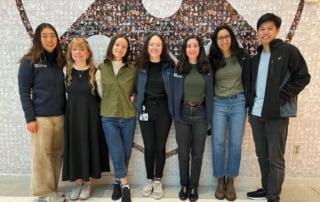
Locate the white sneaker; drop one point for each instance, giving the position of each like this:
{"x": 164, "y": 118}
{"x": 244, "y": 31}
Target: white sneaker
{"x": 60, "y": 197}
{"x": 75, "y": 193}
{"x": 60, "y": 194}
{"x": 147, "y": 189}
{"x": 53, "y": 197}
{"x": 85, "y": 191}
{"x": 157, "y": 189}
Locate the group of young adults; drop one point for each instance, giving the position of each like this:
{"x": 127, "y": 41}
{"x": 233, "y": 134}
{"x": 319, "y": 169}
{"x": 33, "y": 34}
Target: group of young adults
{"x": 81, "y": 115}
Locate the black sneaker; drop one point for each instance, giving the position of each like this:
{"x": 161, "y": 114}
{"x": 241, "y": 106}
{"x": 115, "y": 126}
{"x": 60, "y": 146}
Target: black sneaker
{"x": 126, "y": 196}
{"x": 116, "y": 194}
{"x": 258, "y": 194}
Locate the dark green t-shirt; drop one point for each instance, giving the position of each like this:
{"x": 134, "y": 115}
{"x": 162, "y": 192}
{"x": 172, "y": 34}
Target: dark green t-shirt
{"x": 194, "y": 85}
{"x": 228, "y": 79}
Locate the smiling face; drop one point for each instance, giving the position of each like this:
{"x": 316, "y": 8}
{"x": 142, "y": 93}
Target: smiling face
{"x": 155, "y": 47}
{"x": 267, "y": 32}
{"x": 119, "y": 49}
{"x": 79, "y": 54}
{"x": 193, "y": 50}
{"x": 224, "y": 42}
{"x": 49, "y": 39}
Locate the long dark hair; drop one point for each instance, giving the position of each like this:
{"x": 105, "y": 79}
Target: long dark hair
{"x": 216, "y": 57}
{"x": 36, "y": 52}
{"x": 144, "y": 56}
{"x": 109, "y": 55}
{"x": 184, "y": 67}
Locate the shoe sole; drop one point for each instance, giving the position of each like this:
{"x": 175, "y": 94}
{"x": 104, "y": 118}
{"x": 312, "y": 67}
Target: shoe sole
{"x": 220, "y": 198}
{"x": 84, "y": 198}
{"x": 146, "y": 194}
{"x": 157, "y": 197}
{"x": 257, "y": 198}
{"x": 115, "y": 198}
{"x": 231, "y": 199}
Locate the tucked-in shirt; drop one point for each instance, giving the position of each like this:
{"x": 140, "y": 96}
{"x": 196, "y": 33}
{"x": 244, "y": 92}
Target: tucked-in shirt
{"x": 228, "y": 79}
{"x": 194, "y": 85}
{"x": 261, "y": 83}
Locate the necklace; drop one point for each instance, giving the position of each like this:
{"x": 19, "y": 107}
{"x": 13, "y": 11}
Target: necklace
{"x": 80, "y": 73}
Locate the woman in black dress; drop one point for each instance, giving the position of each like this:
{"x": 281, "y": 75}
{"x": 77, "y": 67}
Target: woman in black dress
{"x": 85, "y": 155}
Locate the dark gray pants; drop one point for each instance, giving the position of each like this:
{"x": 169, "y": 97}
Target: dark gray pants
{"x": 191, "y": 133}
{"x": 270, "y": 136}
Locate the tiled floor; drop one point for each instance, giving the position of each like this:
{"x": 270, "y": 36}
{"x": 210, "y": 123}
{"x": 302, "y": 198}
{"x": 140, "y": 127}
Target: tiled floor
{"x": 15, "y": 188}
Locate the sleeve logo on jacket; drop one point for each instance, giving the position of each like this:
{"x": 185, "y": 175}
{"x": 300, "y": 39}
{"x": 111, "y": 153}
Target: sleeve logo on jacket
{"x": 40, "y": 65}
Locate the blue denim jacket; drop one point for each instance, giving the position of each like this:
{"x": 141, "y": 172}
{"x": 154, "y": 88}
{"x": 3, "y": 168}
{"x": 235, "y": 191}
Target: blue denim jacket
{"x": 167, "y": 77}
{"x": 178, "y": 83}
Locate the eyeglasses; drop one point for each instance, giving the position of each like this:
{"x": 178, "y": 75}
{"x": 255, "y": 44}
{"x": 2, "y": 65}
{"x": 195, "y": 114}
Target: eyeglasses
{"x": 222, "y": 38}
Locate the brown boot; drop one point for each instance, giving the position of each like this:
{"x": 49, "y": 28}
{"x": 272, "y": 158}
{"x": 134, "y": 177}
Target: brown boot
{"x": 230, "y": 191}
{"x": 221, "y": 189}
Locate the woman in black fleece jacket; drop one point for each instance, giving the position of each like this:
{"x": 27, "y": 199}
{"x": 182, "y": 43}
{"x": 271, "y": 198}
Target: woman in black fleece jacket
{"x": 42, "y": 94}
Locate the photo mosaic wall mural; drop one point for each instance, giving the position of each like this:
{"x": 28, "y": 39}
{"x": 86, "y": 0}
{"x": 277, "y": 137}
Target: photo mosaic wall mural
{"x": 174, "y": 19}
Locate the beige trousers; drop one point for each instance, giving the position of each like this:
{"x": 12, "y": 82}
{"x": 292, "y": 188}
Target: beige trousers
{"x": 47, "y": 150}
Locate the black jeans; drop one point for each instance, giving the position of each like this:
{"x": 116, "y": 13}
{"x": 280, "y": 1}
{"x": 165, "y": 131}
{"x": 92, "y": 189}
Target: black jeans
{"x": 191, "y": 133}
{"x": 155, "y": 134}
{"x": 270, "y": 136}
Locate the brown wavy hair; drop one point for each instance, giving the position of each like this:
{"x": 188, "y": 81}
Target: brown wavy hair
{"x": 144, "y": 56}
{"x": 81, "y": 42}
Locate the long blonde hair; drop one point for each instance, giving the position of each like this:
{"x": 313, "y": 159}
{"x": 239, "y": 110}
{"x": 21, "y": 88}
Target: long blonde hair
{"x": 81, "y": 42}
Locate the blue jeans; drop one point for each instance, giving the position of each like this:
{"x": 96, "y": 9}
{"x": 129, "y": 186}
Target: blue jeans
{"x": 229, "y": 114}
{"x": 119, "y": 134}
{"x": 191, "y": 133}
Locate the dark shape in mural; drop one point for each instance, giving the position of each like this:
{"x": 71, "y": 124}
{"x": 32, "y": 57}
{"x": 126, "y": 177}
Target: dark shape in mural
{"x": 106, "y": 17}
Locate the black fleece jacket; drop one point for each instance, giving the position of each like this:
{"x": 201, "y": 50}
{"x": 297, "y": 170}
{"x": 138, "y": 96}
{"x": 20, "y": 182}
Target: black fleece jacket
{"x": 287, "y": 77}
{"x": 41, "y": 89}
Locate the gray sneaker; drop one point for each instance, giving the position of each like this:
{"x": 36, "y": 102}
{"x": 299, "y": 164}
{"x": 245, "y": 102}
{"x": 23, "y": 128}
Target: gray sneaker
{"x": 75, "y": 192}
{"x": 147, "y": 188}
{"x": 85, "y": 191}
{"x": 53, "y": 197}
{"x": 157, "y": 189}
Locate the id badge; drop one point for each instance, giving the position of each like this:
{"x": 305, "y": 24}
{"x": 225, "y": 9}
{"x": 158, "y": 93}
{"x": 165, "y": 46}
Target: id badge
{"x": 144, "y": 117}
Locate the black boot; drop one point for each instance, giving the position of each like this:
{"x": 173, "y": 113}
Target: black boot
{"x": 193, "y": 194}
{"x": 183, "y": 194}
